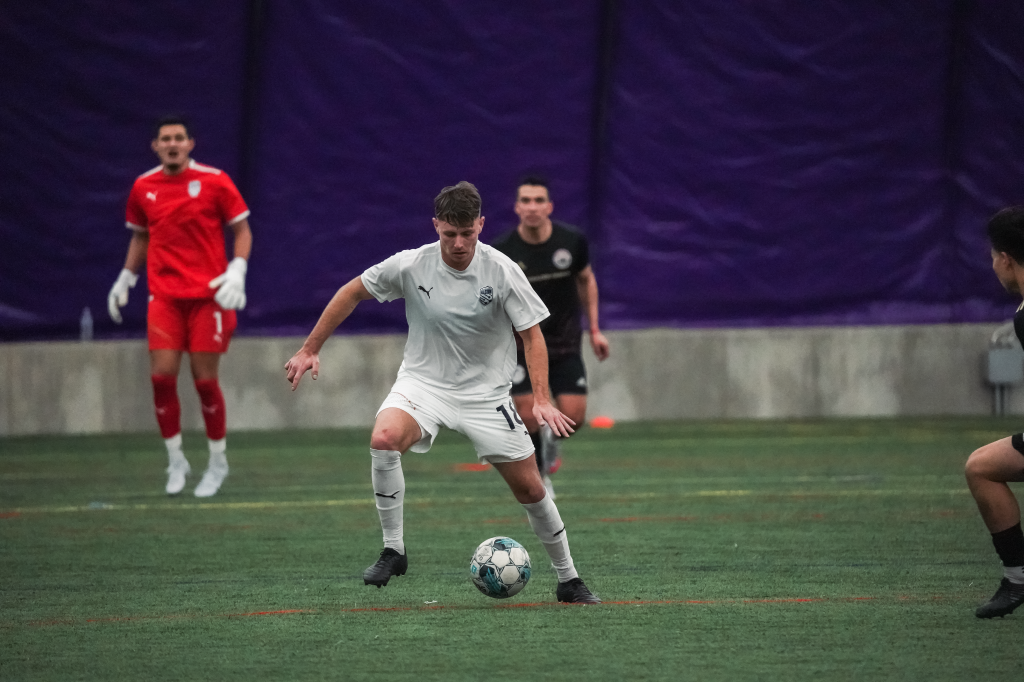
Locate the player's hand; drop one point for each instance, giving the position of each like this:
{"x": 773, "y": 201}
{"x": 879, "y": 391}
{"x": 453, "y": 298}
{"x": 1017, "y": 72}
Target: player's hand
{"x": 231, "y": 285}
{"x": 118, "y": 296}
{"x": 599, "y": 345}
{"x": 546, "y": 413}
{"x": 298, "y": 365}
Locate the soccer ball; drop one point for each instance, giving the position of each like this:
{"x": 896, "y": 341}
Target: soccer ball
{"x": 500, "y": 567}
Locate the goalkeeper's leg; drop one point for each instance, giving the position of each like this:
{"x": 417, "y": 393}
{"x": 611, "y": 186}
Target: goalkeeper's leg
{"x": 164, "y": 375}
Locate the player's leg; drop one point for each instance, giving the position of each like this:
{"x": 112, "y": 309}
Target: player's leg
{"x": 210, "y": 328}
{"x": 568, "y": 381}
{"x": 988, "y": 470}
{"x": 524, "y": 480}
{"x": 395, "y": 431}
{"x": 500, "y": 437}
{"x": 163, "y": 371}
{"x": 165, "y": 331}
{"x": 205, "y": 370}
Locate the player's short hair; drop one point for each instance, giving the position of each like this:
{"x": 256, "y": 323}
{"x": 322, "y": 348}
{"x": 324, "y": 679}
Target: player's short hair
{"x": 1006, "y": 232}
{"x": 533, "y": 180}
{"x": 458, "y": 205}
{"x": 172, "y": 120}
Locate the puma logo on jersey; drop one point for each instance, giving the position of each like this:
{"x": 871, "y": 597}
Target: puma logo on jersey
{"x": 397, "y": 491}
{"x": 151, "y": 196}
{"x": 426, "y": 291}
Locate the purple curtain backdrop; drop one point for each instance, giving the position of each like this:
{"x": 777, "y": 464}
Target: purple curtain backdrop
{"x": 734, "y": 163}
{"x": 82, "y": 84}
{"x": 366, "y": 118}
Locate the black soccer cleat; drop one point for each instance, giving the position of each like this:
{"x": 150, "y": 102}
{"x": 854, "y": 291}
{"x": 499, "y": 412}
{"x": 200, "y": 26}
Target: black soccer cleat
{"x": 1007, "y": 598}
{"x": 575, "y": 592}
{"x": 390, "y": 563}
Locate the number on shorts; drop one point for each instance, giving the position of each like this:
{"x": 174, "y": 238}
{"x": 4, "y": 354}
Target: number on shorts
{"x": 219, "y": 320}
{"x": 508, "y": 418}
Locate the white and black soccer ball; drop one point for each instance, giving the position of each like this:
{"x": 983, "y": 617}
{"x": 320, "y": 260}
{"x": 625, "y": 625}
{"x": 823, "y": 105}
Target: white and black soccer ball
{"x": 500, "y": 567}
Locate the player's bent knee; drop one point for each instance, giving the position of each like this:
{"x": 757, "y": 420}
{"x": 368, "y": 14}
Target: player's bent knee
{"x": 975, "y": 467}
{"x": 386, "y": 439}
{"x": 528, "y": 494}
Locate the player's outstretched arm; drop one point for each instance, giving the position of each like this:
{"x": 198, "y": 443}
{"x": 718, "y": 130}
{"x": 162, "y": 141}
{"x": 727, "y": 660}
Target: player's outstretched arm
{"x": 340, "y": 307}
{"x": 586, "y": 285}
{"x": 544, "y": 412}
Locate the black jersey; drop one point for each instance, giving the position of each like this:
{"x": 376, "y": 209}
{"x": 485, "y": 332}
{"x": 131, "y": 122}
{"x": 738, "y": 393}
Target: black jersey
{"x": 551, "y": 268}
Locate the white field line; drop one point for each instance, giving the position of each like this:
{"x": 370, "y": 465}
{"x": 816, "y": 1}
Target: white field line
{"x": 286, "y": 504}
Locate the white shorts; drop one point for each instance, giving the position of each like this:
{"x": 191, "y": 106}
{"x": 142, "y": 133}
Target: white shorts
{"x": 495, "y": 428}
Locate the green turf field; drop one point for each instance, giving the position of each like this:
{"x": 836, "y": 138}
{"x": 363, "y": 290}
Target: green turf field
{"x": 724, "y": 551}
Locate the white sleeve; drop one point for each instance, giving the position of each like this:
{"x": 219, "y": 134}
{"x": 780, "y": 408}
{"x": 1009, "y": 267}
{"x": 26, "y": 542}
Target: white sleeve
{"x": 522, "y": 304}
{"x": 384, "y": 280}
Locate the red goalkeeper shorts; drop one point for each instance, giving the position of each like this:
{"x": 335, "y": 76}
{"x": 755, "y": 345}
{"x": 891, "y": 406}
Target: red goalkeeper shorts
{"x": 195, "y": 325}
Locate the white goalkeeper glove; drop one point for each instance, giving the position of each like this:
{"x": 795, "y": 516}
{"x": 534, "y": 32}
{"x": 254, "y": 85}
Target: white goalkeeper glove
{"x": 231, "y": 285}
{"x": 118, "y": 296}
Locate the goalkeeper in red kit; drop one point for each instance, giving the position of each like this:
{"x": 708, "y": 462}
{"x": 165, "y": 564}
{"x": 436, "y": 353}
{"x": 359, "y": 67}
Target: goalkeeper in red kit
{"x": 177, "y": 213}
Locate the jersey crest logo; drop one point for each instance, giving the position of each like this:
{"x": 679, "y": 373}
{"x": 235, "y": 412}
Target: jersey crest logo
{"x": 194, "y": 187}
{"x": 562, "y": 259}
{"x": 486, "y": 295}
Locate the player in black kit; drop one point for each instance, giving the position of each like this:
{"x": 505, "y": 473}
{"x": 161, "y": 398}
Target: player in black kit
{"x": 991, "y": 467}
{"x": 556, "y": 260}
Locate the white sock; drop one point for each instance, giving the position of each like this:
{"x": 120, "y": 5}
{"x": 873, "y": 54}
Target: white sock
{"x": 550, "y": 530}
{"x": 389, "y": 493}
{"x": 175, "y": 455}
{"x": 1015, "y": 574}
{"x": 218, "y": 454}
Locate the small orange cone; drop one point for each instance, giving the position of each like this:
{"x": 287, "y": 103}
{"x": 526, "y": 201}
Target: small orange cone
{"x": 602, "y": 422}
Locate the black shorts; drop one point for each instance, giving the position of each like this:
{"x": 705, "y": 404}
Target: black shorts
{"x": 1016, "y": 440}
{"x": 566, "y": 374}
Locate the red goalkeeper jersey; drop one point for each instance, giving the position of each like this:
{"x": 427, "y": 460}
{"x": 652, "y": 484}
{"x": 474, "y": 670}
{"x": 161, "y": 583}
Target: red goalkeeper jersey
{"x": 185, "y": 216}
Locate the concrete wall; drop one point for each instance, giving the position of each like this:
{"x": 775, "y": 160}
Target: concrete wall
{"x": 103, "y": 386}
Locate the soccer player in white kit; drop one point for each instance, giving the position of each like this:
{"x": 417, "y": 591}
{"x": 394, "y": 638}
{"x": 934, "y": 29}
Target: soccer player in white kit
{"x": 462, "y": 301}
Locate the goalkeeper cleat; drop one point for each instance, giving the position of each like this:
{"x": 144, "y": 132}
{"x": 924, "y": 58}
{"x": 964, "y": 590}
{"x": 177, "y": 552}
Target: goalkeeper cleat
{"x": 1008, "y": 597}
{"x": 212, "y": 479}
{"x": 390, "y": 563}
{"x": 575, "y": 592}
{"x": 176, "y": 473}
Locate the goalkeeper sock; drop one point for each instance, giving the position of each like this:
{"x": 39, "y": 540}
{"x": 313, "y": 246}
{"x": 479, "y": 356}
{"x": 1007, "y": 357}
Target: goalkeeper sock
{"x": 389, "y": 493}
{"x": 212, "y": 400}
{"x": 168, "y": 409}
{"x": 218, "y": 455}
{"x": 175, "y": 455}
{"x": 547, "y": 524}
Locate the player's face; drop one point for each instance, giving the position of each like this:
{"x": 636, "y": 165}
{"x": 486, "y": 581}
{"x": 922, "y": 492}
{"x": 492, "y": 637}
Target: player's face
{"x": 1002, "y": 265}
{"x": 458, "y": 244}
{"x": 533, "y": 205}
{"x": 173, "y": 145}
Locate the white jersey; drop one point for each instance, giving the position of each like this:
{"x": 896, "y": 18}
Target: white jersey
{"x": 460, "y": 322}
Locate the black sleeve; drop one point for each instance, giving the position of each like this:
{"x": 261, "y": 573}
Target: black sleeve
{"x": 582, "y": 258}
